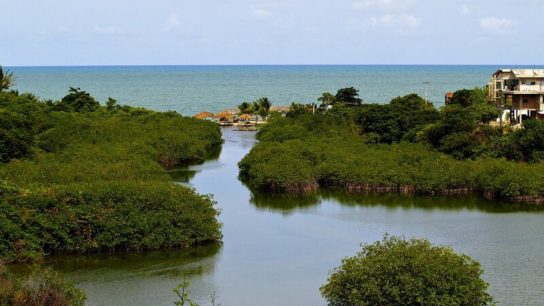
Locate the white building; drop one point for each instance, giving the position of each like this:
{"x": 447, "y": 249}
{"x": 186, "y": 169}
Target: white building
{"x": 520, "y": 90}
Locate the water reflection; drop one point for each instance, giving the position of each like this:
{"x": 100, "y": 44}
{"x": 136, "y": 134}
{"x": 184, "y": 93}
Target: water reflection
{"x": 174, "y": 263}
{"x": 185, "y": 174}
{"x": 182, "y": 175}
{"x": 284, "y": 203}
{"x": 141, "y": 278}
{"x": 288, "y": 203}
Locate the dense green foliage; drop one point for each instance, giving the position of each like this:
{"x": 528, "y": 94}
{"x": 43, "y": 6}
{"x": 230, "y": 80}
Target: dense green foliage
{"x": 78, "y": 101}
{"x": 389, "y": 148}
{"x": 40, "y": 287}
{"x": 7, "y": 79}
{"x": 78, "y": 177}
{"x": 348, "y": 96}
{"x": 259, "y": 107}
{"x": 462, "y": 130}
{"x": 396, "y": 271}
{"x": 388, "y": 123}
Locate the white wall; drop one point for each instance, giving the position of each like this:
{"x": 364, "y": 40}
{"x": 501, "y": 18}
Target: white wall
{"x": 538, "y": 85}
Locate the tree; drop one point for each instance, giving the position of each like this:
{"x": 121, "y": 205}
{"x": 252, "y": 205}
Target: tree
{"x": 391, "y": 122}
{"x": 298, "y": 109}
{"x": 78, "y": 100}
{"x": 112, "y": 104}
{"x": 326, "y": 99}
{"x": 15, "y": 136}
{"x": 526, "y": 143}
{"x": 7, "y": 79}
{"x": 396, "y": 271}
{"x": 467, "y": 97}
{"x": 264, "y": 105}
{"x": 412, "y": 101}
{"x": 348, "y": 96}
{"x": 246, "y": 108}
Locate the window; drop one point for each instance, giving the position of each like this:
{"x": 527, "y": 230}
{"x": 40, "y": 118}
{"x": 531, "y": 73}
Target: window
{"x": 525, "y": 100}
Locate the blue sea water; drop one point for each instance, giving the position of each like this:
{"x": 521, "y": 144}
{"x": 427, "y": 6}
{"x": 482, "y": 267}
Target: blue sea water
{"x": 192, "y": 89}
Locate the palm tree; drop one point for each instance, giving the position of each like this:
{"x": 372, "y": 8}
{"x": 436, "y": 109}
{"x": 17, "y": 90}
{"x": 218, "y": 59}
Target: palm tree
{"x": 326, "y": 99}
{"x": 6, "y": 79}
{"x": 264, "y": 106}
{"x": 245, "y": 108}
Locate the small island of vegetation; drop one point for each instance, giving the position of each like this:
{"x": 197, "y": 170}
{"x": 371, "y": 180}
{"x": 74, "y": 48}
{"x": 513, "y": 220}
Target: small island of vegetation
{"x": 396, "y": 271}
{"x": 79, "y": 177}
{"x": 405, "y": 146}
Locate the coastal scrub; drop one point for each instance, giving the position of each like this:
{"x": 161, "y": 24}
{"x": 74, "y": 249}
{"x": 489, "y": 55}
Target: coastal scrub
{"x": 339, "y": 148}
{"x": 396, "y": 271}
{"x": 78, "y": 177}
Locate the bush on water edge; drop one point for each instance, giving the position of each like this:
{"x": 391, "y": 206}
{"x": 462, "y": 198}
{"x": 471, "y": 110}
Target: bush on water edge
{"x": 304, "y": 165}
{"x": 328, "y": 149}
{"x": 77, "y": 177}
{"x": 396, "y": 271}
{"x": 42, "y": 286}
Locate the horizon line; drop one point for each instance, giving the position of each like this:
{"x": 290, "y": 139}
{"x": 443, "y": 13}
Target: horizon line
{"x": 256, "y": 65}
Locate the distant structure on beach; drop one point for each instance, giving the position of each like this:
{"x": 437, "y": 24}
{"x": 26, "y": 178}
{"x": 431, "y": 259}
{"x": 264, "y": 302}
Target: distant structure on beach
{"x": 233, "y": 117}
{"x": 521, "y": 91}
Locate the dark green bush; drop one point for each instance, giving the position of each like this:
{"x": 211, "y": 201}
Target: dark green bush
{"x": 326, "y": 150}
{"x": 104, "y": 216}
{"x": 91, "y": 181}
{"x": 396, "y": 271}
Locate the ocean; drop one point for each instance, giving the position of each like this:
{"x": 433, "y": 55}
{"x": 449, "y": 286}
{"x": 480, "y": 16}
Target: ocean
{"x": 192, "y": 89}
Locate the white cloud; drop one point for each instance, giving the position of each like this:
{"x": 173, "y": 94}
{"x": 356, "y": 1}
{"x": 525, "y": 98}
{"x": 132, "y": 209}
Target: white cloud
{"x": 108, "y": 30}
{"x": 388, "y": 5}
{"x": 496, "y": 25}
{"x": 260, "y": 12}
{"x": 402, "y": 21}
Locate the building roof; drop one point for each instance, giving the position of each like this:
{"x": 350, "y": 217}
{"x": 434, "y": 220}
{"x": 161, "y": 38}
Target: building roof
{"x": 523, "y": 73}
{"x": 246, "y": 117}
{"x": 204, "y": 115}
{"x": 279, "y": 108}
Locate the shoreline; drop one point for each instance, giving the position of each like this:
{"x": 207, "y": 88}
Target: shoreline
{"x": 354, "y": 188}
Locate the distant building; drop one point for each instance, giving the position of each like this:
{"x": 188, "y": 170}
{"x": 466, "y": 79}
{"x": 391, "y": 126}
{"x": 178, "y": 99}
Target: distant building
{"x": 448, "y": 97}
{"x": 521, "y": 91}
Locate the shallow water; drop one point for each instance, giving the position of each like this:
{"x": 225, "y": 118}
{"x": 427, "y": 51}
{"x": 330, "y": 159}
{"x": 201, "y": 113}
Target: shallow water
{"x": 277, "y": 250}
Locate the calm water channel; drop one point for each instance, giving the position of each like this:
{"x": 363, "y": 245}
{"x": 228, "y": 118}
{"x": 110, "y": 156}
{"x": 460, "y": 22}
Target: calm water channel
{"x": 278, "y": 250}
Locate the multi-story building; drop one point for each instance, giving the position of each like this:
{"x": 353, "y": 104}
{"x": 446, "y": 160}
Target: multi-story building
{"x": 520, "y": 91}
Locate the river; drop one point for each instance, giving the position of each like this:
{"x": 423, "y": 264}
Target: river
{"x": 278, "y": 250}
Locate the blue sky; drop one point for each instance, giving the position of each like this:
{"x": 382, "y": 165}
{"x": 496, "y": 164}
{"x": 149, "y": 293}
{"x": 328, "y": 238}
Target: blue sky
{"x": 124, "y": 32}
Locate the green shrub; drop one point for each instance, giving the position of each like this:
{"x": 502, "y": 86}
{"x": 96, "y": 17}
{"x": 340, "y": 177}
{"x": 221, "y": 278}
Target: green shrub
{"x": 104, "y": 216}
{"x": 93, "y": 179}
{"x": 327, "y": 150}
{"x": 396, "y": 271}
{"x": 41, "y": 287}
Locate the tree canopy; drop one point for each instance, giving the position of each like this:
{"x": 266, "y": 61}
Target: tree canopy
{"x": 78, "y": 100}
{"x": 326, "y": 99}
{"x": 348, "y": 96}
{"x": 259, "y": 107}
{"x": 7, "y": 80}
{"x": 396, "y": 271}
{"x": 93, "y": 177}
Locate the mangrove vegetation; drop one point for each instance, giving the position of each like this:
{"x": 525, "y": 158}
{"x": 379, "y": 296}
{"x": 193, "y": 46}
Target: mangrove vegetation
{"x": 40, "y": 287}
{"x": 79, "y": 177}
{"x": 396, "y": 271}
{"x": 405, "y": 146}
